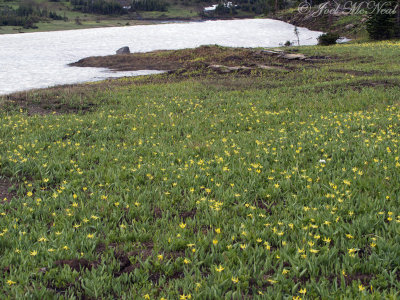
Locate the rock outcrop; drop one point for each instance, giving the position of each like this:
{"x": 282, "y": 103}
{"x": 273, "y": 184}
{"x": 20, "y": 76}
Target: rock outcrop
{"x": 123, "y": 50}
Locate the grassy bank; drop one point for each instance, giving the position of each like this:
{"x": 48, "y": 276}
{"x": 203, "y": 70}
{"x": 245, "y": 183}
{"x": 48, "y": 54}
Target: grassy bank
{"x": 267, "y": 182}
{"x": 85, "y": 23}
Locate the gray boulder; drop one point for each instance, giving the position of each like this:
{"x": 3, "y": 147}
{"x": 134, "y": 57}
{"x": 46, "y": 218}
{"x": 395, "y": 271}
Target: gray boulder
{"x": 123, "y": 50}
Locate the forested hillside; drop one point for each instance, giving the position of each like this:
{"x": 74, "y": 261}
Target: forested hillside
{"x": 71, "y": 14}
{"x": 353, "y": 19}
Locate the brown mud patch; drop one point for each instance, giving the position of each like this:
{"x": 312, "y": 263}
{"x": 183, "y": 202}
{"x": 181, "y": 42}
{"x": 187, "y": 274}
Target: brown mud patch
{"x": 144, "y": 251}
{"x": 60, "y": 290}
{"x": 365, "y": 279}
{"x": 255, "y": 286}
{"x": 69, "y": 99}
{"x": 265, "y": 205}
{"x": 375, "y": 83}
{"x": 5, "y": 271}
{"x": 188, "y": 214}
{"x": 204, "y": 229}
{"x": 125, "y": 263}
{"x": 77, "y": 264}
{"x": 357, "y": 86}
{"x": 155, "y": 276}
{"x": 175, "y": 254}
{"x": 157, "y": 212}
{"x": 6, "y": 192}
{"x": 302, "y": 279}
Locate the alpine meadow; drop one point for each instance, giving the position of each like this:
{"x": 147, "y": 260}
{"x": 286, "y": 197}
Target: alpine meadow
{"x": 238, "y": 173}
{"x": 272, "y": 183}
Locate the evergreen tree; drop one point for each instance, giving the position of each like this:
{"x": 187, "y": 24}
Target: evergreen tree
{"x": 383, "y": 20}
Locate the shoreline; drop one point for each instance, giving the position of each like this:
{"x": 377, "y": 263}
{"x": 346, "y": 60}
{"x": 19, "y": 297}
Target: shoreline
{"x": 349, "y": 26}
{"x": 117, "y": 23}
{"x": 220, "y": 58}
{"x": 155, "y": 62}
{"x": 186, "y": 63}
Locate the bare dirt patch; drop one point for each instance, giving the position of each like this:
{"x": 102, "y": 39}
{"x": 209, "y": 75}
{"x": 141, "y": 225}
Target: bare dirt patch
{"x": 175, "y": 254}
{"x": 157, "y": 212}
{"x": 365, "y": 279}
{"x": 125, "y": 264}
{"x": 5, "y": 271}
{"x": 61, "y": 290}
{"x": 204, "y": 229}
{"x": 267, "y": 206}
{"x": 303, "y": 279}
{"x": 188, "y": 214}
{"x": 374, "y": 83}
{"x": 155, "y": 276}
{"x": 255, "y": 285}
{"x": 57, "y": 100}
{"x": 77, "y": 264}
{"x": 358, "y": 86}
{"x": 144, "y": 251}
{"x": 6, "y": 194}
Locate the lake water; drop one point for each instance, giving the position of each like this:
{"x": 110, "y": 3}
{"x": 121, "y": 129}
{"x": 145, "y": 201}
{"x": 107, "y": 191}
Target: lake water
{"x": 38, "y": 60}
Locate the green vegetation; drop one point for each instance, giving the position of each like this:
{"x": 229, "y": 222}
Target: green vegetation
{"x": 98, "y": 7}
{"x": 26, "y": 14}
{"x": 385, "y": 23}
{"x": 327, "y": 39}
{"x": 149, "y": 5}
{"x": 269, "y": 183}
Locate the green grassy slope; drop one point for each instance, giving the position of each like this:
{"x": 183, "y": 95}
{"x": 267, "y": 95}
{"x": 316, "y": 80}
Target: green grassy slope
{"x": 282, "y": 183}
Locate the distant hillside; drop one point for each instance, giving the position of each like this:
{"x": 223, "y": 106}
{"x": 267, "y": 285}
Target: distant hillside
{"x": 351, "y": 26}
{"x": 40, "y": 15}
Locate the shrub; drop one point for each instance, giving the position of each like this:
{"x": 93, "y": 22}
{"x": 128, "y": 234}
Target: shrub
{"x": 149, "y": 5}
{"x": 98, "y": 7}
{"x": 328, "y": 39}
